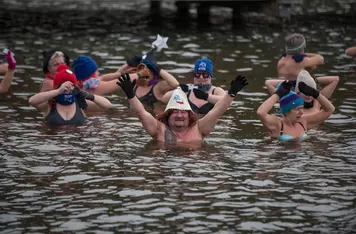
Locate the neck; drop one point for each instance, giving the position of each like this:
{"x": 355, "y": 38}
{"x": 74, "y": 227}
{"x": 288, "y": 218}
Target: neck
{"x": 288, "y": 121}
{"x": 179, "y": 130}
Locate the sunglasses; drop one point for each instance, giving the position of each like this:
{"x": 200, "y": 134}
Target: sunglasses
{"x": 206, "y": 75}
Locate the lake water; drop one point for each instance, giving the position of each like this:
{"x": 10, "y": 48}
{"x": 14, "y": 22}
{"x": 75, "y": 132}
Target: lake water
{"x": 108, "y": 176}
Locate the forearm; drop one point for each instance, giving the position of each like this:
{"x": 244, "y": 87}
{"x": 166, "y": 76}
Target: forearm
{"x": 102, "y": 102}
{"x": 6, "y": 82}
{"x": 110, "y": 76}
{"x": 123, "y": 68}
{"x": 3, "y": 69}
{"x": 171, "y": 81}
{"x": 265, "y": 107}
{"x": 326, "y": 105}
{"x": 272, "y": 85}
{"x": 40, "y": 98}
{"x": 351, "y": 51}
{"x": 166, "y": 97}
{"x": 136, "y": 105}
{"x": 224, "y": 103}
{"x": 330, "y": 82}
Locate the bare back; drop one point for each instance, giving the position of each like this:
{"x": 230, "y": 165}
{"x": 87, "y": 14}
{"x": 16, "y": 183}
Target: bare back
{"x": 288, "y": 69}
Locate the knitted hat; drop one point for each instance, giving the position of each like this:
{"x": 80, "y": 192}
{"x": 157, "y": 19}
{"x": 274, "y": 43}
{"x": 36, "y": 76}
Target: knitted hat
{"x": 204, "y": 65}
{"x": 290, "y": 102}
{"x": 305, "y": 77}
{"x": 84, "y": 67}
{"x": 63, "y": 74}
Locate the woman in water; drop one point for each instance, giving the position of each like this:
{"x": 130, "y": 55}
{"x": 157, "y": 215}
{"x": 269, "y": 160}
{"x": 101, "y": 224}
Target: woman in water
{"x": 66, "y": 103}
{"x": 202, "y": 95}
{"x": 294, "y": 123}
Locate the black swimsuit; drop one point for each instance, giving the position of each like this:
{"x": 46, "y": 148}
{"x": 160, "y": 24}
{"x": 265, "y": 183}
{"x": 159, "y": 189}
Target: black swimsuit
{"x": 148, "y": 98}
{"x": 54, "y": 118}
{"x": 204, "y": 109}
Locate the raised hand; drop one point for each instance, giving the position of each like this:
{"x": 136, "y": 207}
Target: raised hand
{"x": 237, "y": 84}
{"x": 10, "y": 60}
{"x": 284, "y": 88}
{"x": 307, "y": 90}
{"x": 126, "y": 85}
{"x": 200, "y": 94}
{"x": 66, "y": 87}
{"x": 135, "y": 61}
{"x": 153, "y": 68}
{"x": 184, "y": 87}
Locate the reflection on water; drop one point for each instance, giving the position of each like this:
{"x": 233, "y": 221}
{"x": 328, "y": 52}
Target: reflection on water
{"x": 109, "y": 176}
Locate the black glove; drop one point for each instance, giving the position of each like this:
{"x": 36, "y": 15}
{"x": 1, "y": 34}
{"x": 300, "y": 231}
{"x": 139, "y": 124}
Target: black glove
{"x": 284, "y": 88}
{"x": 237, "y": 84}
{"x": 200, "y": 94}
{"x": 307, "y": 90}
{"x": 82, "y": 96}
{"x": 135, "y": 61}
{"x": 126, "y": 85}
{"x": 153, "y": 68}
{"x": 184, "y": 87}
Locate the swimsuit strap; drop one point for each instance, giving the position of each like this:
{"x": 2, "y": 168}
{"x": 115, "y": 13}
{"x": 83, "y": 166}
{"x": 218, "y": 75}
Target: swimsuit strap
{"x": 302, "y": 126}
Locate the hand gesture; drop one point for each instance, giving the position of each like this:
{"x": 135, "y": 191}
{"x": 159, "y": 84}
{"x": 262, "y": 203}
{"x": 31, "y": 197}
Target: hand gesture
{"x": 284, "y": 88}
{"x": 200, "y": 94}
{"x": 126, "y": 85}
{"x": 135, "y": 61}
{"x": 66, "y": 87}
{"x": 237, "y": 84}
{"x": 307, "y": 90}
{"x": 10, "y": 60}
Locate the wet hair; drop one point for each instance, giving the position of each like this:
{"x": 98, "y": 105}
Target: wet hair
{"x": 48, "y": 55}
{"x": 295, "y": 43}
{"x": 193, "y": 118}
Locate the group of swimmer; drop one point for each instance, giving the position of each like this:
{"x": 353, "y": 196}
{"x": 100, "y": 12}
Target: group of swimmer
{"x": 67, "y": 94}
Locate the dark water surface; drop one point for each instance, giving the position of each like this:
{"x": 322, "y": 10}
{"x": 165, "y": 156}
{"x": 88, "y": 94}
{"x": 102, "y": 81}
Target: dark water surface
{"x": 110, "y": 177}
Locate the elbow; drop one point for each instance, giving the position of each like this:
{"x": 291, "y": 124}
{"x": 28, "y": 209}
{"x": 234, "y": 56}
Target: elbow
{"x": 260, "y": 113}
{"x": 31, "y": 102}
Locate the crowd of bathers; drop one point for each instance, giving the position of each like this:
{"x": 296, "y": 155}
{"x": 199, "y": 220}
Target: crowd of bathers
{"x": 70, "y": 91}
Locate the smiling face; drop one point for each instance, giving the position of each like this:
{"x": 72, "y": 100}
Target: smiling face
{"x": 178, "y": 119}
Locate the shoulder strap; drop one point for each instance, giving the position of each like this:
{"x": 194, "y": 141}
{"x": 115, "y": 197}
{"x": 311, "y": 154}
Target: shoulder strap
{"x": 302, "y": 126}
{"x": 212, "y": 92}
{"x": 281, "y": 133}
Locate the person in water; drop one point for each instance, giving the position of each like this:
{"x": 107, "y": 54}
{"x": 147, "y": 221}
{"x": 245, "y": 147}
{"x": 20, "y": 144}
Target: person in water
{"x": 9, "y": 73}
{"x": 179, "y": 123}
{"x": 51, "y": 60}
{"x": 66, "y": 103}
{"x": 310, "y": 104}
{"x": 202, "y": 95}
{"x": 153, "y": 82}
{"x": 295, "y": 59}
{"x": 294, "y": 123}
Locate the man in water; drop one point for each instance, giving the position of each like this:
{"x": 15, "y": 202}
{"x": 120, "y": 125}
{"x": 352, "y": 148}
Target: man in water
{"x": 295, "y": 59}
{"x": 179, "y": 123}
